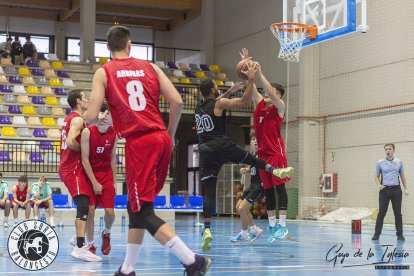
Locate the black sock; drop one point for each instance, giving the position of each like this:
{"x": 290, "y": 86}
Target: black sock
{"x": 270, "y": 169}
{"x": 80, "y": 241}
{"x": 207, "y": 225}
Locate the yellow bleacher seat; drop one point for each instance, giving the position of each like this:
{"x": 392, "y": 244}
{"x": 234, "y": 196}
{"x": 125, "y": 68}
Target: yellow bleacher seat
{"x": 47, "y": 90}
{"x": 28, "y": 80}
{"x": 34, "y": 121}
{"x": 1, "y": 99}
{"x": 56, "y": 145}
{"x": 57, "y": 111}
{"x": 23, "y": 99}
{"x": 103, "y": 60}
{"x": 57, "y": 65}
{"x": 50, "y": 73}
{"x": 185, "y": 81}
{"x": 8, "y": 131}
{"x": 19, "y": 157}
{"x": 174, "y": 80}
{"x": 222, "y": 76}
{"x": 33, "y": 90}
{"x": 47, "y": 121}
{"x": 55, "y": 82}
{"x": 51, "y": 100}
{"x": 53, "y": 133}
{"x": 24, "y": 71}
{"x": 44, "y": 64}
{"x": 215, "y": 68}
{"x": 200, "y": 75}
{"x": 219, "y": 82}
{"x": 6, "y": 61}
{"x": 29, "y": 110}
{"x": 3, "y": 79}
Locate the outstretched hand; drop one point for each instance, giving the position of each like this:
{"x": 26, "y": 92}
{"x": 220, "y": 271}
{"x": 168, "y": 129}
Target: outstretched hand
{"x": 236, "y": 87}
{"x": 244, "y": 54}
{"x": 251, "y": 70}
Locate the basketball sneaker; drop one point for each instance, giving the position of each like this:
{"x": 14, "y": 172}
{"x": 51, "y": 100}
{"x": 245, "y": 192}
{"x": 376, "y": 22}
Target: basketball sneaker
{"x": 280, "y": 232}
{"x": 106, "y": 243}
{"x": 15, "y": 223}
{"x": 207, "y": 238}
{"x": 199, "y": 267}
{"x": 282, "y": 173}
{"x": 272, "y": 230}
{"x": 73, "y": 240}
{"x": 240, "y": 239}
{"x": 5, "y": 224}
{"x": 83, "y": 253}
{"x": 255, "y": 233}
{"x": 119, "y": 273}
{"x": 92, "y": 248}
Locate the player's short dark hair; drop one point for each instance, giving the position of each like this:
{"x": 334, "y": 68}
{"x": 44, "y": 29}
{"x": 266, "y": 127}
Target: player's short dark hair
{"x": 252, "y": 135}
{"x": 279, "y": 88}
{"x": 117, "y": 37}
{"x": 44, "y": 178}
{"x": 205, "y": 87}
{"x": 104, "y": 106}
{"x": 23, "y": 178}
{"x": 73, "y": 96}
{"x": 390, "y": 144}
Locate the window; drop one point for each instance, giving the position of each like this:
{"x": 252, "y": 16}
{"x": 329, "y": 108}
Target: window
{"x": 43, "y": 43}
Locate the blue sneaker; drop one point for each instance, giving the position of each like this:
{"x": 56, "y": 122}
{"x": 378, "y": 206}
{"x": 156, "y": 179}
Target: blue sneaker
{"x": 272, "y": 230}
{"x": 256, "y": 233}
{"x": 281, "y": 232}
{"x": 240, "y": 239}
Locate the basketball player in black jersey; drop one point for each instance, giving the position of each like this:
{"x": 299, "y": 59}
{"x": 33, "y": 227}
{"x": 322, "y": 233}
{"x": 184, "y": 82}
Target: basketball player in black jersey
{"x": 215, "y": 148}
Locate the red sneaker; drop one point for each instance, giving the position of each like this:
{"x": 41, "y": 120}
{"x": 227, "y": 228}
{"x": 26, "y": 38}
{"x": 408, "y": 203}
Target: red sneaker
{"x": 92, "y": 248}
{"x": 106, "y": 243}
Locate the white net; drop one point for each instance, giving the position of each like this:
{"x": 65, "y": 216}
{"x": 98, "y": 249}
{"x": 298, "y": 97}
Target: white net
{"x": 291, "y": 37}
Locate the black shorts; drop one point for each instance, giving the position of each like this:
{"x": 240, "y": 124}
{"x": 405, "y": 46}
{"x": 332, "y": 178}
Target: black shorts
{"x": 253, "y": 193}
{"x": 214, "y": 154}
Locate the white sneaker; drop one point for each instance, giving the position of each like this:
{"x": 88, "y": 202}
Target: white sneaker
{"x": 84, "y": 254}
{"x": 15, "y": 223}
{"x": 5, "y": 224}
{"x": 73, "y": 240}
{"x": 52, "y": 224}
{"x": 256, "y": 233}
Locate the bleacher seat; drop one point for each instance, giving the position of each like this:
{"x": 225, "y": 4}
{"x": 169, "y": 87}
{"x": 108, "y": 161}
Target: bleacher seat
{"x": 182, "y": 66}
{"x": 44, "y": 64}
{"x": 36, "y": 157}
{"x": 3, "y": 108}
{"x": 161, "y": 64}
{"x": 19, "y": 157}
{"x": 185, "y": 81}
{"x": 38, "y": 72}
{"x": 214, "y": 68}
{"x": 45, "y": 145}
{"x": 29, "y": 110}
{"x": 5, "y": 88}
{"x": 57, "y": 65}
{"x": 33, "y": 89}
{"x": 46, "y": 90}
{"x": 41, "y": 56}
{"x": 9, "y": 98}
{"x": 60, "y": 122}
{"x": 37, "y": 100}
{"x": 171, "y": 64}
{"x": 160, "y": 202}
{"x": 34, "y": 121}
{"x": 43, "y": 110}
{"x": 64, "y": 102}
{"x": 118, "y": 160}
{"x": 14, "y": 109}
{"x": 195, "y": 202}
{"x": 50, "y": 73}
{"x": 56, "y": 145}
{"x": 19, "y": 89}
{"x": 178, "y": 73}
{"x": 23, "y": 99}
{"x": 10, "y": 70}
{"x": 39, "y": 133}
{"x": 24, "y": 71}
{"x": 48, "y": 121}
{"x": 15, "y": 79}
{"x": 5, "y": 156}
{"x": 177, "y": 202}
{"x": 19, "y": 120}
{"x": 200, "y": 75}
{"x": 24, "y": 132}
{"x": 31, "y": 63}
{"x": 103, "y": 60}
{"x": 55, "y": 82}
{"x": 42, "y": 81}
{"x": 68, "y": 82}
{"x": 60, "y": 91}
{"x": 60, "y": 201}
{"x": 189, "y": 74}
{"x": 5, "y": 120}
{"x": 219, "y": 82}
{"x": 174, "y": 80}
{"x": 51, "y": 101}
{"x": 1, "y": 70}
{"x": 221, "y": 76}
{"x": 121, "y": 201}
{"x": 8, "y": 131}
{"x": 52, "y": 158}
{"x": 6, "y": 61}
{"x": 28, "y": 80}
{"x": 3, "y": 79}
{"x": 63, "y": 74}
{"x": 204, "y": 67}
{"x": 68, "y": 110}
{"x": 57, "y": 111}
{"x": 52, "y": 56}
{"x": 229, "y": 83}
{"x": 53, "y": 133}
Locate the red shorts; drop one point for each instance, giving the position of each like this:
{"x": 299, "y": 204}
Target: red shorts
{"x": 78, "y": 183}
{"x": 42, "y": 205}
{"x": 12, "y": 200}
{"x": 107, "y": 198}
{"x": 147, "y": 158}
{"x": 268, "y": 179}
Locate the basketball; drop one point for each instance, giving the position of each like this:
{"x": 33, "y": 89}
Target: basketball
{"x": 241, "y": 66}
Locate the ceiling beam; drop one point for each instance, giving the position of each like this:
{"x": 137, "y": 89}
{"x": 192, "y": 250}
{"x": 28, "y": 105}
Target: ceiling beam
{"x": 28, "y": 13}
{"x": 65, "y": 14}
{"x": 44, "y": 4}
{"x": 137, "y": 11}
{"x": 166, "y": 4}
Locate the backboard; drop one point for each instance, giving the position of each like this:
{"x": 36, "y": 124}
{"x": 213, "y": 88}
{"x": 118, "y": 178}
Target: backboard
{"x": 333, "y": 18}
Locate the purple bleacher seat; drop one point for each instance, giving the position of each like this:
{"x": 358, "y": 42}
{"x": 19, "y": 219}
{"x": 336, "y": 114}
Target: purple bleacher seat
{"x": 14, "y": 109}
{"x": 38, "y": 72}
{"x": 204, "y": 67}
{"x": 45, "y": 145}
{"x": 171, "y": 64}
{"x": 60, "y": 91}
{"x": 15, "y": 79}
{"x": 63, "y": 74}
{"x": 39, "y": 132}
{"x": 31, "y": 63}
{"x": 37, "y": 100}
{"x": 118, "y": 161}
{"x": 5, "y": 120}
{"x": 182, "y": 90}
{"x": 189, "y": 74}
{"x": 41, "y": 56}
{"x": 36, "y": 157}
{"x": 68, "y": 111}
{"x": 5, "y": 88}
{"x": 4, "y": 156}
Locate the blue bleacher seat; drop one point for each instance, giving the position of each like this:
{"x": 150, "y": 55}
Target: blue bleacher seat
{"x": 38, "y": 72}
{"x": 4, "y": 156}
{"x": 31, "y": 63}
{"x": 195, "y": 202}
{"x": 36, "y": 157}
{"x": 60, "y": 201}
{"x": 160, "y": 202}
{"x": 118, "y": 160}
{"x": 5, "y": 120}
{"x": 177, "y": 202}
{"x": 172, "y": 64}
{"x": 73, "y": 203}
{"x": 45, "y": 145}
{"x": 5, "y": 88}
{"x": 121, "y": 201}
{"x": 204, "y": 67}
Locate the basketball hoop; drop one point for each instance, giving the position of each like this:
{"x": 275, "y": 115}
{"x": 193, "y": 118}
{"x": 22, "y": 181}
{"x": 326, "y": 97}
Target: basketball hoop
{"x": 291, "y": 36}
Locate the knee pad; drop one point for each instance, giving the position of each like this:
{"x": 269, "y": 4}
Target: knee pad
{"x": 82, "y": 207}
{"x": 270, "y": 199}
{"x": 145, "y": 219}
{"x": 282, "y": 196}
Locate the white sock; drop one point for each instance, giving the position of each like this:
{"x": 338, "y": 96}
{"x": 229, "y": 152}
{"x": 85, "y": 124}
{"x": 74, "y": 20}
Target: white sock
{"x": 107, "y": 231}
{"x": 6, "y": 219}
{"x": 15, "y": 220}
{"x": 272, "y": 221}
{"x": 252, "y": 228}
{"x": 131, "y": 257}
{"x": 282, "y": 220}
{"x": 90, "y": 242}
{"x": 244, "y": 233}
{"x": 179, "y": 249}
{"x": 36, "y": 218}
{"x": 52, "y": 220}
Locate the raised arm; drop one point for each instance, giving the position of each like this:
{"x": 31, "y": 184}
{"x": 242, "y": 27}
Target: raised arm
{"x": 236, "y": 87}
{"x": 97, "y": 96}
{"x": 256, "y": 96}
{"x": 76, "y": 126}
{"x": 271, "y": 92}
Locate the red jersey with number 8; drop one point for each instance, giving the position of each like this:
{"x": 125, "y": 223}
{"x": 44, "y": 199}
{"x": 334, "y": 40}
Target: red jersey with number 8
{"x": 132, "y": 93}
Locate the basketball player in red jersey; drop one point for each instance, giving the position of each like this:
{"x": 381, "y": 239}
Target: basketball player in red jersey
{"x": 268, "y": 117}
{"x": 99, "y": 161}
{"x": 72, "y": 174}
{"x": 21, "y": 198}
{"x": 132, "y": 89}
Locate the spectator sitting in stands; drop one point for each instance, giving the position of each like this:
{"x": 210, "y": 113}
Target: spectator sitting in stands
{"x": 42, "y": 197}
{"x": 29, "y": 50}
{"x": 5, "y": 48}
{"x": 16, "y": 51}
{"x": 21, "y": 196}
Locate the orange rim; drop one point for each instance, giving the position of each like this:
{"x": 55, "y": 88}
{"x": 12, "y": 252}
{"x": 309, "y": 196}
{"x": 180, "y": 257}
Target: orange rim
{"x": 296, "y": 28}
